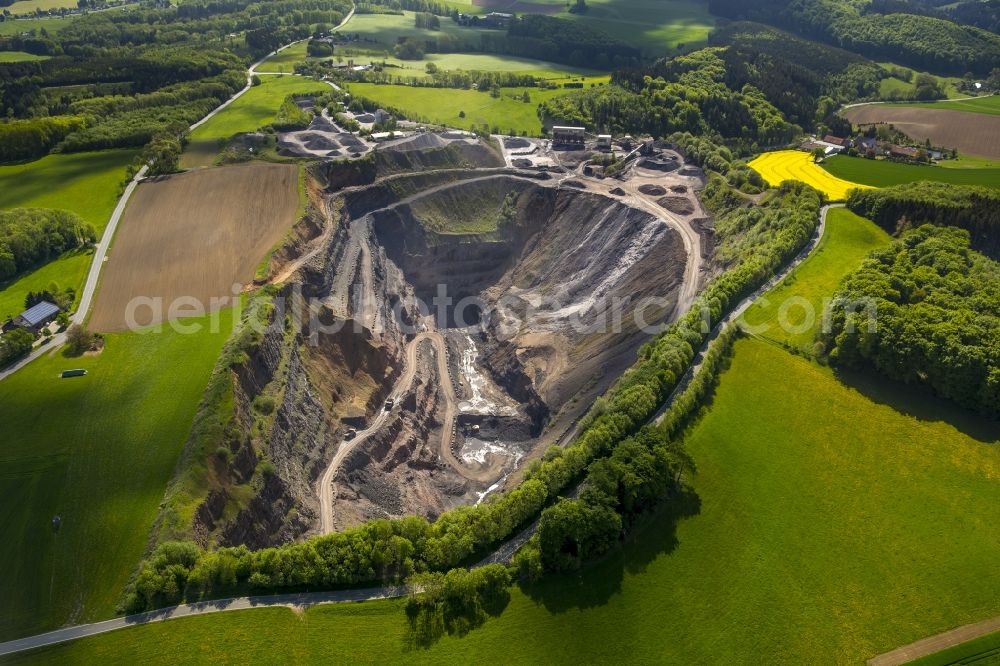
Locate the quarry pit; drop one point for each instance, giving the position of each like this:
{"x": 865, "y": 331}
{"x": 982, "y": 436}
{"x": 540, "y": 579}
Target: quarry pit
{"x": 464, "y": 318}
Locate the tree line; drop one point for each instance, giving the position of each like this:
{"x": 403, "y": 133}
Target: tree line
{"x": 925, "y": 311}
{"x": 973, "y": 208}
{"x": 30, "y": 237}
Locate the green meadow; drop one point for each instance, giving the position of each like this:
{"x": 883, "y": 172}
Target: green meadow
{"x": 507, "y": 112}
{"x": 53, "y": 24}
{"x": 19, "y": 56}
{"x": 285, "y": 60}
{"x": 792, "y": 312}
{"x": 882, "y": 173}
{"x": 250, "y": 111}
{"x": 87, "y": 184}
{"x": 482, "y": 62}
{"x": 31, "y": 6}
{"x": 386, "y": 29}
{"x": 68, "y": 270}
{"x": 826, "y": 522}
{"x": 657, "y": 26}
{"x": 893, "y": 88}
{"x": 97, "y": 451}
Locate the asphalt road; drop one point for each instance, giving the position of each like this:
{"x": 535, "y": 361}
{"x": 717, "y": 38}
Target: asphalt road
{"x": 295, "y": 601}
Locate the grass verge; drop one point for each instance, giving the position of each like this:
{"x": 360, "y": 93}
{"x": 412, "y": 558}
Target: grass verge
{"x": 982, "y": 651}
{"x": 792, "y": 312}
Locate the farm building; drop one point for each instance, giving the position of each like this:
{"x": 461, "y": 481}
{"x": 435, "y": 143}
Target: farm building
{"x": 568, "y": 135}
{"x": 903, "y": 152}
{"x": 36, "y": 317}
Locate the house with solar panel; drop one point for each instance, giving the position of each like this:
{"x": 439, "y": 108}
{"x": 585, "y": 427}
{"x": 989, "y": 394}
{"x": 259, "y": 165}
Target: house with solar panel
{"x": 36, "y": 317}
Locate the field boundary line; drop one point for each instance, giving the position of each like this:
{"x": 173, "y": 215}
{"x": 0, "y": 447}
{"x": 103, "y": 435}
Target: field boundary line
{"x": 936, "y": 643}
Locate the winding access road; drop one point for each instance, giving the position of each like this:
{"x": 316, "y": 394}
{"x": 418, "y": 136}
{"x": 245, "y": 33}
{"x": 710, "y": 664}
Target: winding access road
{"x": 324, "y": 488}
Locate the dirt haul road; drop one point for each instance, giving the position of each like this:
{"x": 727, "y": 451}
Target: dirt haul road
{"x": 324, "y": 488}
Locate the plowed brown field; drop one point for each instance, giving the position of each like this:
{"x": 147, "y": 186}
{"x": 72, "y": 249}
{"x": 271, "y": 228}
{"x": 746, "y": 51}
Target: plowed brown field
{"x": 193, "y": 237}
{"x": 971, "y": 133}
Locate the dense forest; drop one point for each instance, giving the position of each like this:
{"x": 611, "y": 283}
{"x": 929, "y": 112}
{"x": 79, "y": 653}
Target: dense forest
{"x": 983, "y": 14}
{"x": 688, "y": 94}
{"x": 922, "y": 42}
{"x": 32, "y": 236}
{"x": 805, "y": 79}
{"x": 926, "y": 310}
{"x": 896, "y": 209}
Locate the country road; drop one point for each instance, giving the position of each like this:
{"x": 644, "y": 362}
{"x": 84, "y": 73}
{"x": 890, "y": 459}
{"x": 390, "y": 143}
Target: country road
{"x": 936, "y": 643}
{"x": 904, "y": 102}
{"x": 296, "y": 602}
{"x": 743, "y": 306}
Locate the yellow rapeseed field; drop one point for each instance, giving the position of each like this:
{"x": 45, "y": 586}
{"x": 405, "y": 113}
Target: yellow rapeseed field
{"x": 783, "y": 165}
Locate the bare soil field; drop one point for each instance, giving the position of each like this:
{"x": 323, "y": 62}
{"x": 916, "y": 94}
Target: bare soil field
{"x": 194, "y": 236}
{"x": 971, "y": 133}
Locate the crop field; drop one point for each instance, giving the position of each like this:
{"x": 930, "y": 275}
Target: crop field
{"x": 782, "y": 165}
{"x": 85, "y": 183}
{"x": 793, "y": 311}
{"x": 97, "y": 451}
{"x": 194, "y": 236}
{"x": 972, "y": 133}
{"x": 30, "y": 6}
{"x": 19, "y": 56}
{"x": 443, "y": 105}
{"x": 851, "y": 530}
{"x": 53, "y": 24}
{"x": 882, "y": 173}
{"x": 250, "y": 111}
